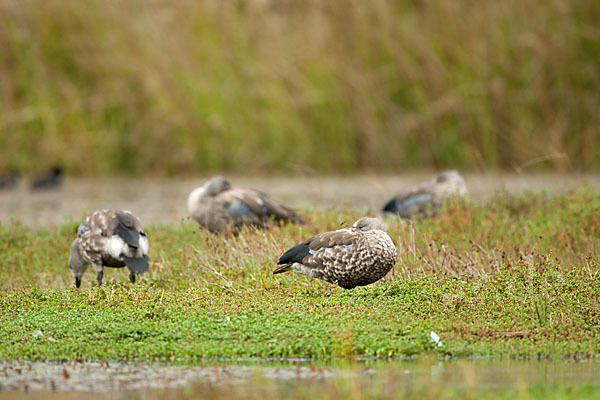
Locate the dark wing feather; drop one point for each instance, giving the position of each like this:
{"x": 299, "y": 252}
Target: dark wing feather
{"x": 129, "y": 235}
{"x": 126, "y": 228}
{"x": 113, "y": 222}
{"x": 137, "y": 265}
{"x": 406, "y": 203}
{"x": 253, "y": 201}
{"x": 323, "y": 240}
{"x": 295, "y": 254}
{"x": 237, "y": 204}
{"x": 238, "y": 209}
{"x": 271, "y": 208}
{"x": 259, "y": 204}
{"x": 243, "y": 203}
{"x": 412, "y": 200}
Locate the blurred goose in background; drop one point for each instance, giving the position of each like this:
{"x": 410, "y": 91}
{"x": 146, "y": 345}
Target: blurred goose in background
{"x": 50, "y": 180}
{"x": 216, "y": 206}
{"x": 10, "y": 180}
{"x": 427, "y": 196}
{"x": 110, "y": 238}
{"x": 350, "y": 257}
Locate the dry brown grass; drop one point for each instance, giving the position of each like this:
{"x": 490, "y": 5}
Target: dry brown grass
{"x": 254, "y": 85}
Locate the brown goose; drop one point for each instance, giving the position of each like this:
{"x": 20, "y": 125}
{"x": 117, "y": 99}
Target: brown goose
{"x": 350, "y": 257}
{"x": 427, "y": 196}
{"x": 217, "y": 206}
{"x": 110, "y": 238}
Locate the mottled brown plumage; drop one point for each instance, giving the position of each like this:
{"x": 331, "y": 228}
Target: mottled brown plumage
{"x": 428, "y": 196}
{"x": 217, "y": 206}
{"x": 110, "y": 238}
{"x": 350, "y": 257}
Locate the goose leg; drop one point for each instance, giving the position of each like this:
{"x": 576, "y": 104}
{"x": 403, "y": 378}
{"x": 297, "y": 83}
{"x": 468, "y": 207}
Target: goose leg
{"x": 100, "y": 272}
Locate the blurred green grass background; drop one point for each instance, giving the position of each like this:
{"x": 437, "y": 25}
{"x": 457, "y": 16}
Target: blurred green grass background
{"x": 174, "y": 87}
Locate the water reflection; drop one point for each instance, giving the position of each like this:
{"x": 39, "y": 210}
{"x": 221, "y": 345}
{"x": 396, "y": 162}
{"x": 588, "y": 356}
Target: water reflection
{"x": 290, "y": 379}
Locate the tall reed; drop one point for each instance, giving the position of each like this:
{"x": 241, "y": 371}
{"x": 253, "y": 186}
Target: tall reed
{"x": 105, "y": 86}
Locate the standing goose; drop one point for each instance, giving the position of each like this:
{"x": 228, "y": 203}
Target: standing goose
{"x": 216, "y": 206}
{"x": 427, "y": 196}
{"x": 110, "y": 238}
{"x": 350, "y": 257}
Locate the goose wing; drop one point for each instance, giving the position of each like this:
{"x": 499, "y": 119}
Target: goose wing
{"x": 129, "y": 228}
{"x": 411, "y": 201}
{"x": 307, "y": 253}
{"x": 92, "y": 235}
{"x": 250, "y": 202}
{"x": 116, "y": 222}
{"x": 241, "y": 203}
{"x": 100, "y": 225}
{"x": 272, "y": 208}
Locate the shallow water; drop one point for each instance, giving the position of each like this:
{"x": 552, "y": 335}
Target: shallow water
{"x": 122, "y": 380}
{"x": 158, "y": 201}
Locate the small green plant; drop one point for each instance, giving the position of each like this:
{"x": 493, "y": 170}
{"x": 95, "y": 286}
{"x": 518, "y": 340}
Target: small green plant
{"x": 516, "y": 276}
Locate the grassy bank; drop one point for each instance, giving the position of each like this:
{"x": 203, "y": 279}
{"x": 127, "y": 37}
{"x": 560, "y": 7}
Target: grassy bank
{"x": 518, "y": 276}
{"x": 176, "y": 86}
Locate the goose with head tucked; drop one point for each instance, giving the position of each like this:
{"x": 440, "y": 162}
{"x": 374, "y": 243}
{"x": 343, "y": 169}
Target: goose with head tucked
{"x": 217, "y": 206}
{"x": 109, "y": 238}
{"x": 427, "y": 197}
{"x": 350, "y": 257}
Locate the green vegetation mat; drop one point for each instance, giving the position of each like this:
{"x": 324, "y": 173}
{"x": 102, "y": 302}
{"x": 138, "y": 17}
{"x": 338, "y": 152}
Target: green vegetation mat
{"x": 516, "y": 276}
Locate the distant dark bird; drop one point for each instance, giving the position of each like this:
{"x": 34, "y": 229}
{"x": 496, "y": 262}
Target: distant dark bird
{"x": 10, "y": 180}
{"x": 350, "y": 257}
{"x": 427, "y": 196}
{"x": 110, "y": 238}
{"x": 50, "y": 180}
{"x": 217, "y": 206}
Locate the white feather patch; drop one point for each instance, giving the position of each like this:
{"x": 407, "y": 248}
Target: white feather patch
{"x": 144, "y": 245}
{"x": 303, "y": 269}
{"x": 115, "y": 246}
{"x": 311, "y": 251}
{"x": 194, "y": 199}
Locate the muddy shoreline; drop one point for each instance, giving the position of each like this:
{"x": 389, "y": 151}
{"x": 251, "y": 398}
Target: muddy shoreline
{"x": 109, "y": 377}
{"x": 160, "y": 201}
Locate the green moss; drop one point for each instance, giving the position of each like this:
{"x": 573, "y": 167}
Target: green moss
{"x": 517, "y": 276}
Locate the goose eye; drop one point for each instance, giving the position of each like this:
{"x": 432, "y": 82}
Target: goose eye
{"x": 143, "y": 233}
